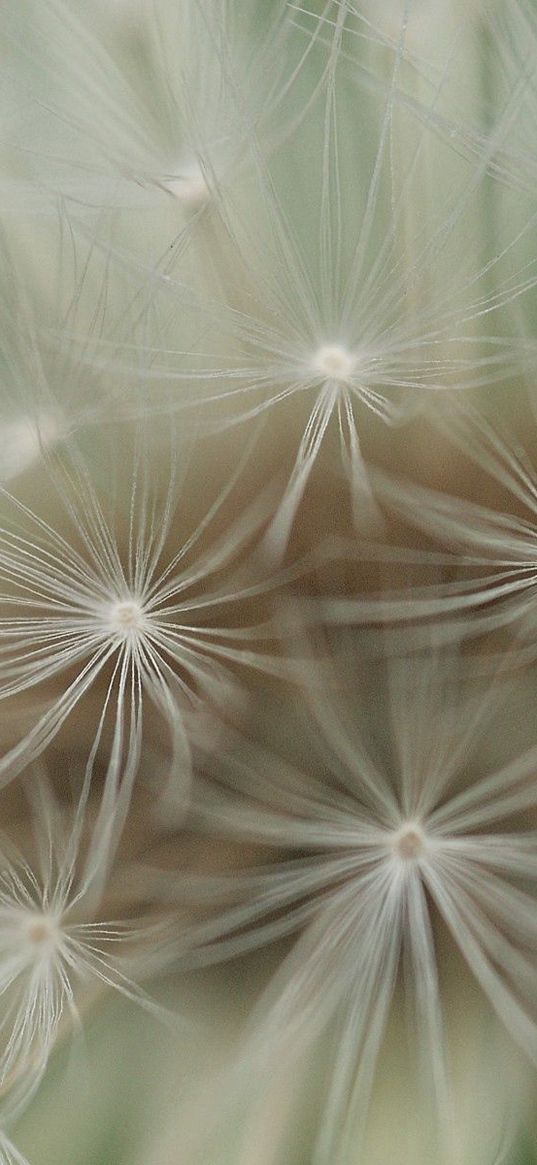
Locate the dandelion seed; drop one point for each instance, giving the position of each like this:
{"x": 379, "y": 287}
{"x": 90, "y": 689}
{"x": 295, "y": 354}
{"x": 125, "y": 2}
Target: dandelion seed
{"x": 48, "y": 393}
{"x": 55, "y": 952}
{"x": 131, "y": 611}
{"x": 392, "y": 836}
{"x": 349, "y": 318}
{"x": 110, "y": 136}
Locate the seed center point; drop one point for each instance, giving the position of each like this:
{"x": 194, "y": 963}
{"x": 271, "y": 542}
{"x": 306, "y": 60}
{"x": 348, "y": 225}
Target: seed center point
{"x": 334, "y": 362}
{"x": 409, "y": 842}
{"x": 127, "y": 615}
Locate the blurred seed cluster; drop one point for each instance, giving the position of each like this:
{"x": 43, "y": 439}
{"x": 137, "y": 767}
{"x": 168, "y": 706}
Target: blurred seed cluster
{"x": 268, "y": 582}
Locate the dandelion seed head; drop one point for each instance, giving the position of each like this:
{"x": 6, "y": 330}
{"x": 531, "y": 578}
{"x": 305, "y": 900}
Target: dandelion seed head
{"x": 334, "y": 362}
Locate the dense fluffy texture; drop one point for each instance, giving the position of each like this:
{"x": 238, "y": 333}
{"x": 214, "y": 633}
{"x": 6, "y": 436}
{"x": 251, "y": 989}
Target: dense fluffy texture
{"x": 268, "y": 486}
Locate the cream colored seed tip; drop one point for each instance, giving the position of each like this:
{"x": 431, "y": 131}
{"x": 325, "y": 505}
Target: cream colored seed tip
{"x": 333, "y": 361}
{"x": 126, "y": 616}
{"x": 409, "y": 842}
{"x": 189, "y": 186}
{"x": 42, "y": 931}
